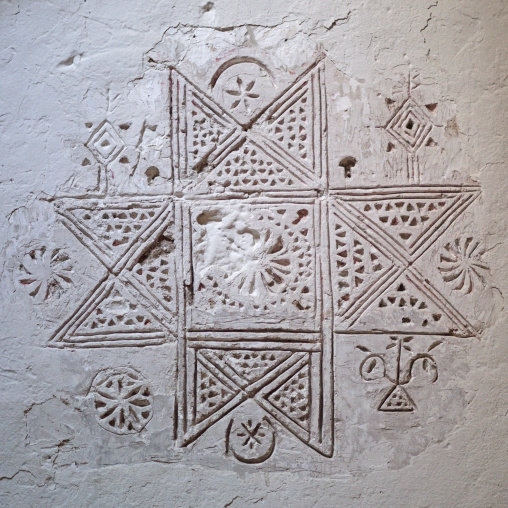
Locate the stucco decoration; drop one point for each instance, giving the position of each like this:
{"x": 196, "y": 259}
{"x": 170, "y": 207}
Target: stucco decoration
{"x": 257, "y": 262}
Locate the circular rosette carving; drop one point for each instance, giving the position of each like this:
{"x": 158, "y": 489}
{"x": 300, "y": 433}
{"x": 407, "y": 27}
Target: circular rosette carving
{"x": 461, "y": 265}
{"x": 123, "y": 400}
{"x": 45, "y": 272}
{"x": 267, "y": 267}
{"x": 251, "y": 441}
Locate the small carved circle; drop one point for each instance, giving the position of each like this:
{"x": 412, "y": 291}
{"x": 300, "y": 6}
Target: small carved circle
{"x": 251, "y": 441}
{"x": 373, "y": 367}
{"x": 123, "y": 400}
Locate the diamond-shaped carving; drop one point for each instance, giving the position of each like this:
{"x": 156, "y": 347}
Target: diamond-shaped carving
{"x": 410, "y": 126}
{"x": 105, "y": 143}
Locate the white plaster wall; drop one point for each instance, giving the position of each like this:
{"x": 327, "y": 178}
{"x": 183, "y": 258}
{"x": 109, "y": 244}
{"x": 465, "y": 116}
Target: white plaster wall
{"x": 67, "y": 63}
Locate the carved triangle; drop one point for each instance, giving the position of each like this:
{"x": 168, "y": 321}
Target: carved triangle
{"x": 292, "y": 397}
{"x": 410, "y": 308}
{"x": 111, "y": 316}
{"x": 250, "y": 365}
{"x": 199, "y": 125}
{"x": 293, "y": 125}
{"x": 155, "y": 269}
{"x": 411, "y": 220}
{"x": 249, "y": 167}
{"x": 211, "y": 393}
{"x": 397, "y": 399}
{"x": 109, "y": 228}
{"x": 357, "y": 266}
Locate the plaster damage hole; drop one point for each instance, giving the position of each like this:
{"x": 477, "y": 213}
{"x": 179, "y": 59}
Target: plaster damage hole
{"x": 86, "y": 162}
{"x": 207, "y": 7}
{"x": 151, "y": 173}
{"x": 347, "y": 163}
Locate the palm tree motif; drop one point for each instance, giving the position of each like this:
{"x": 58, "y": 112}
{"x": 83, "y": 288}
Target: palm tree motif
{"x": 123, "y": 400}
{"x": 267, "y": 267}
{"x": 45, "y": 272}
{"x": 242, "y": 93}
{"x": 462, "y": 266}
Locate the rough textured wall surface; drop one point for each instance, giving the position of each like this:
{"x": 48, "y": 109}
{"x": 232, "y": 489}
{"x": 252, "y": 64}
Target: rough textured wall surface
{"x": 254, "y": 253}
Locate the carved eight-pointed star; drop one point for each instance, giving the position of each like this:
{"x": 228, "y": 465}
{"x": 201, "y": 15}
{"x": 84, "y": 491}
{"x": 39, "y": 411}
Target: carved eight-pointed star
{"x": 363, "y": 243}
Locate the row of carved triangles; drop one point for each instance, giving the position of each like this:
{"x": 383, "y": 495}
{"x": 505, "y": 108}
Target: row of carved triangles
{"x": 405, "y": 307}
{"x": 409, "y": 222}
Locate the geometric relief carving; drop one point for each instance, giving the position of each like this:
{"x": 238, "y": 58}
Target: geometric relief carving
{"x": 251, "y": 261}
{"x": 136, "y": 303}
{"x": 254, "y": 297}
{"x": 357, "y": 265}
{"x": 45, "y": 272}
{"x": 249, "y": 166}
{"x": 411, "y": 127}
{"x": 277, "y": 149}
{"x": 109, "y": 227}
{"x": 277, "y": 380}
{"x": 404, "y": 306}
{"x": 410, "y": 219}
{"x": 105, "y": 143}
{"x": 401, "y": 224}
{"x": 112, "y": 316}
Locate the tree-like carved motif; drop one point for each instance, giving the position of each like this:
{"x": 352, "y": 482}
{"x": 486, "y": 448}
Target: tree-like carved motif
{"x": 374, "y": 367}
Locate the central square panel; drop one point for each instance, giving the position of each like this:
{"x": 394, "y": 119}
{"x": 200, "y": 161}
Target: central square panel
{"x": 253, "y": 265}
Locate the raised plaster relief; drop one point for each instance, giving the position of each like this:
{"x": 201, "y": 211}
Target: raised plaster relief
{"x": 123, "y": 400}
{"x": 136, "y": 303}
{"x": 407, "y": 366}
{"x": 251, "y": 262}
